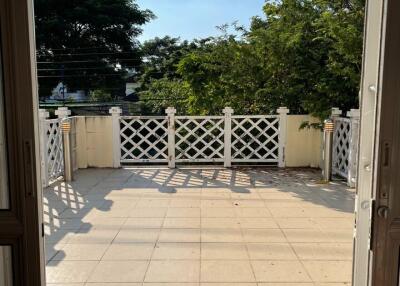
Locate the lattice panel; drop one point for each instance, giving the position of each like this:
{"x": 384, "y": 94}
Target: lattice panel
{"x": 341, "y": 146}
{"x": 199, "y": 139}
{"x": 144, "y": 139}
{"x": 54, "y": 146}
{"x": 255, "y": 139}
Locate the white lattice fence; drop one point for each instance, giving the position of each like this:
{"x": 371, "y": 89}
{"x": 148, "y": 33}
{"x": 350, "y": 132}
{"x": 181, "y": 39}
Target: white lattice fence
{"x": 52, "y": 157}
{"x": 190, "y": 139}
{"x": 345, "y": 145}
{"x": 255, "y": 139}
{"x": 143, "y": 139}
{"x": 341, "y": 146}
{"x": 199, "y": 138}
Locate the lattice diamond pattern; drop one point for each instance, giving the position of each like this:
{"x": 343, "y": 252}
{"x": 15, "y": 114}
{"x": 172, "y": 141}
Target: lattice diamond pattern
{"x": 199, "y": 139}
{"x": 54, "y": 147}
{"x": 255, "y": 138}
{"x": 144, "y": 139}
{"x": 341, "y": 146}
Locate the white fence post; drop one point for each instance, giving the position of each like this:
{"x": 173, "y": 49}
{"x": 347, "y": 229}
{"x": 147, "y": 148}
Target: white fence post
{"x": 336, "y": 112}
{"x": 283, "y": 112}
{"x": 228, "y": 137}
{"x": 43, "y": 115}
{"x": 62, "y": 112}
{"x": 116, "y": 114}
{"x": 171, "y": 136}
{"x": 354, "y": 115}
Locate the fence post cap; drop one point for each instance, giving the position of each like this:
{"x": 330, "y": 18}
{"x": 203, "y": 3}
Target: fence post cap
{"x": 227, "y": 110}
{"x": 336, "y": 112}
{"x": 115, "y": 110}
{"x": 43, "y": 113}
{"x": 170, "y": 110}
{"x": 63, "y": 112}
{"x": 283, "y": 110}
{"x": 353, "y": 113}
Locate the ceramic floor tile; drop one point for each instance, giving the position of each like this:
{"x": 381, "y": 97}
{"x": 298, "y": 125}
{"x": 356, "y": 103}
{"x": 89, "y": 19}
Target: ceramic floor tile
{"x": 248, "y": 203}
{"x": 111, "y": 284}
{"x": 179, "y": 235}
{"x": 97, "y": 236}
{"x": 279, "y": 271}
{"x": 252, "y": 212}
{"x": 294, "y": 223}
{"x": 168, "y": 251}
{"x": 148, "y": 212}
{"x": 306, "y": 235}
{"x": 145, "y": 222}
{"x": 271, "y": 251}
{"x": 184, "y": 203}
{"x": 173, "y": 271}
{"x": 69, "y": 271}
{"x": 119, "y": 271}
{"x": 218, "y": 212}
{"x": 225, "y": 251}
{"x": 181, "y": 222}
{"x": 220, "y": 223}
{"x": 137, "y": 235}
{"x": 81, "y": 252}
{"x": 263, "y": 235}
{"x": 162, "y": 227}
{"x": 169, "y": 284}
{"x": 216, "y": 203}
{"x": 324, "y": 251}
{"x": 221, "y": 235}
{"x": 226, "y": 271}
{"x": 254, "y": 222}
{"x": 329, "y": 271}
{"x": 129, "y": 251}
{"x": 183, "y": 212}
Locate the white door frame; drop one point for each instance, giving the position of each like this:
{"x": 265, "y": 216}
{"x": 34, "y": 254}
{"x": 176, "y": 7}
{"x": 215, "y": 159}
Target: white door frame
{"x": 369, "y": 134}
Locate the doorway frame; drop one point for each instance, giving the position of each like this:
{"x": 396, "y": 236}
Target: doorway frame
{"x": 24, "y": 219}
{"x": 21, "y": 225}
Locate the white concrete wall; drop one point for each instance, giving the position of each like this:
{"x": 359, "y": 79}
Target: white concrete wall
{"x": 94, "y": 141}
{"x": 303, "y": 147}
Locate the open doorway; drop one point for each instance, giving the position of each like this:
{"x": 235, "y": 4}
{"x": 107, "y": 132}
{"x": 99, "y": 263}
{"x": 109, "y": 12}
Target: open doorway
{"x": 236, "y": 127}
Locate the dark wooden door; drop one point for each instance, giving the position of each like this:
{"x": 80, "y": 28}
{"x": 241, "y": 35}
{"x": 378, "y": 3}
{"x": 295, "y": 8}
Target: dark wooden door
{"x": 21, "y": 257}
{"x": 386, "y": 213}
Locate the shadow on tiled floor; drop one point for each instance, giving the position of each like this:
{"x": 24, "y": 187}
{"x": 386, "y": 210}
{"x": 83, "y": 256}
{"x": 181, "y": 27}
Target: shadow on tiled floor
{"x": 209, "y": 226}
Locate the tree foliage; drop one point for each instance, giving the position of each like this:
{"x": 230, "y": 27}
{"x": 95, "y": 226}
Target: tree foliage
{"x": 88, "y": 44}
{"x": 304, "y": 54}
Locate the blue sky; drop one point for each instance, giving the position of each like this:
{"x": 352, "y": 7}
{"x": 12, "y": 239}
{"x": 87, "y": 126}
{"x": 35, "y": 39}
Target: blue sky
{"x": 189, "y": 19}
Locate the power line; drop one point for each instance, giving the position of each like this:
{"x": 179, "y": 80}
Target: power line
{"x": 78, "y": 75}
{"x": 84, "y": 48}
{"x": 85, "y": 61}
{"x": 86, "y": 54}
{"x": 74, "y": 69}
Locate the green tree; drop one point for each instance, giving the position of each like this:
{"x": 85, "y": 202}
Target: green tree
{"x": 160, "y": 83}
{"x": 163, "y": 93}
{"x": 88, "y": 44}
{"x": 305, "y": 54}
{"x": 99, "y": 95}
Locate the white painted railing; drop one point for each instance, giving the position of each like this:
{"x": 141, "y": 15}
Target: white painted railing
{"x": 345, "y": 145}
{"x": 193, "y": 139}
{"x": 52, "y": 158}
{"x": 51, "y": 144}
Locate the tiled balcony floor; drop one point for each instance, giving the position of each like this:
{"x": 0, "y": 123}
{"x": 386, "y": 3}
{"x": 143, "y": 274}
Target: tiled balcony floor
{"x": 214, "y": 227}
